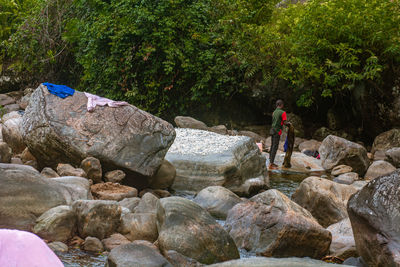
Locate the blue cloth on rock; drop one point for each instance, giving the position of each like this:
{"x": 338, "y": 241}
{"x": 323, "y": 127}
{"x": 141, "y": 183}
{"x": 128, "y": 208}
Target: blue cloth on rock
{"x": 59, "y": 90}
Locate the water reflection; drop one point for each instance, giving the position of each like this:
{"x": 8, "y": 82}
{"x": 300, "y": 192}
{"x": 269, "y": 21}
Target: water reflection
{"x": 80, "y": 258}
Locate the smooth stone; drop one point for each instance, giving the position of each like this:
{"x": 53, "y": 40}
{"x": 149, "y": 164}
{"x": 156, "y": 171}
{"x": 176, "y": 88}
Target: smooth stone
{"x": 276, "y": 262}
{"x": 68, "y": 170}
{"x": 49, "y": 173}
{"x": 165, "y": 176}
{"x": 112, "y": 191}
{"x": 92, "y": 167}
{"x": 386, "y": 140}
{"x": 346, "y": 178}
{"x": 116, "y": 176}
{"x": 379, "y": 168}
{"x": 189, "y": 122}
{"x": 130, "y": 203}
{"x": 114, "y": 241}
{"x": 217, "y": 200}
{"x": 179, "y": 260}
{"x": 343, "y": 245}
{"x": 325, "y": 199}
{"x": 12, "y": 134}
{"x": 5, "y": 153}
{"x": 58, "y": 246}
{"x": 393, "y": 156}
{"x": 341, "y": 169}
{"x": 93, "y": 244}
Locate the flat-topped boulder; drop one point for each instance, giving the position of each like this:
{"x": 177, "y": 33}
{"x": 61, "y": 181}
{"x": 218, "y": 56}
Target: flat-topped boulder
{"x": 25, "y": 195}
{"x": 127, "y": 138}
{"x": 203, "y": 159}
{"x": 301, "y": 162}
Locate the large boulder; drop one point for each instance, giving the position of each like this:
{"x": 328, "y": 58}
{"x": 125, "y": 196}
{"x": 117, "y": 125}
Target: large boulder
{"x": 142, "y": 225}
{"x": 187, "y": 228}
{"x": 217, "y": 200}
{"x": 386, "y": 140}
{"x": 62, "y": 130}
{"x": 325, "y": 199}
{"x": 137, "y": 255}
{"x": 25, "y": 195}
{"x": 343, "y": 245}
{"x": 374, "y": 213}
{"x": 274, "y": 226}
{"x": 203, "y": 158}
{"x": 301, "y": 162}
{"x": 56, "y": 224}
{"x": 12, "y": 134}
{"x": 164, "y": 178}
{"x": 97, "y": 218}
{"x": 275, "y": 262}
{"x": 312, "y": 145}
{"x": 379, "y": 168}
{"x": 335, "y": 151}
{"x": 393, "y": 156}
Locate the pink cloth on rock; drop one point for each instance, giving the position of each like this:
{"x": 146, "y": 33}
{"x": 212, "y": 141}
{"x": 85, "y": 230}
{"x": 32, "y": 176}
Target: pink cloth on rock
{"x": 94, "y": 100}
{"x": 24, "y": 249}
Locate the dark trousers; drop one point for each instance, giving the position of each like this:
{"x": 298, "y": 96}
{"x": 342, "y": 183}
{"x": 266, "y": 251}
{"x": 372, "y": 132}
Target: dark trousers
{"x": 274, "y": 147}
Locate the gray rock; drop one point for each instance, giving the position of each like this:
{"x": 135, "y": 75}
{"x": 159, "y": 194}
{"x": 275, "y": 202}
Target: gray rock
{"x": 6, "y": 100}
{"x": 11, "y": 115}
{"x": 92, "y": 167}
{"x": 374, "y": 215}
{"x": 189, "y": 122}
{"x": 16, "y": 160}
{"x": 5, "y": 153}
{"x": 341, "y": 169}
{"x": 343, "y": 245}
{"x": 165, "y": 176}
{"x": 12, "y": 134}
{"x": 219, "y": 129}
{"x": 312, "y": 145}
{"x": 130, "y": 255}
{"x": 115, "y": 176}
{"x": 93, "y": 244}
{"x": 393, "y": 156}
{"x": 62, "y": 130}
{"x": 77, "y": 187}
{"x": 56, "y": 224}
{"x": 275, "y": 262}
{"x": 386, "y": 140}
{"x": 68, "y": 170}
{"x": 142, "y": 225}
{"x": 98, "y": 218}
{"x": 114, "y": 241}
{"x": 217, "y": 200}
{"x": 358, "y": 185}
{"x": 346, "y": 178}
{"x": 199, "y": 163}
{"x": 11, "y": 108}
{"x": 58, "y": 247}
{"x": 336, "y": 151}
{"x": 379, "y": 168}
{"x": 130, "y": 203}
{"x": 25, "y": 195}
{"x": 272, "y": 225}
{"x": 325, "y": 199}
{"x": 49, "y": 173}
{"x": 187, "y": 228}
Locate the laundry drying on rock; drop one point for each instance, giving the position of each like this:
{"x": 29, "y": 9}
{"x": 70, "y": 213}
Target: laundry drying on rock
{"x": 94, "y": 100}
{"x": 62, "y": 91}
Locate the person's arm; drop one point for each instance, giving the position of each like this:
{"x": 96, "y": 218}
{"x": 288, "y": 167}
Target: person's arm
{"x": 284, "y": 119}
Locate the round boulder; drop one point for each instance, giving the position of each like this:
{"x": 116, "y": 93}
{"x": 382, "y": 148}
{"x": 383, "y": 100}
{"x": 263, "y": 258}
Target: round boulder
{"x": 92, "y": 168}
{"x": 386, "y": 140}
{"x": 217, "y": 200}
{"x": 379, "y": 168}
{"x": 325, "y": 199}
{"x": 393, "y": 156}
{"x": 274, "y": 226}
{"x": 187, "y": 228}
{"x": 12, "y": 134}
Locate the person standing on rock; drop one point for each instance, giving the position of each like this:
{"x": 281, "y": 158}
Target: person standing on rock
{"x": 279, "y": 119}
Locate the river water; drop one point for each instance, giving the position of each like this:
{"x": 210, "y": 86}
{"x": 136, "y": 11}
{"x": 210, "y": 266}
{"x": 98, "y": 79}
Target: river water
{"x": 286, "y": 182}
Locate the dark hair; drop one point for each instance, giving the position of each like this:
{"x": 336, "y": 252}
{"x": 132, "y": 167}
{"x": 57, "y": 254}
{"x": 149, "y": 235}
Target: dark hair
{"x": 279, "y": 103}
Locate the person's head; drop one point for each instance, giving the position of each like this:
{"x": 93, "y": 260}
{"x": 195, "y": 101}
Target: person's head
{"x": 279, "y": 103}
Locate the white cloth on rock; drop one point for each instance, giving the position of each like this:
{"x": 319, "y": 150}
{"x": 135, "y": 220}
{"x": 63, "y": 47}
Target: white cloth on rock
{"x": 94, "y": 100}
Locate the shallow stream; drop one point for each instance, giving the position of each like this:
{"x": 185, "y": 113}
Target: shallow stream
{"x": 285, "y": 181}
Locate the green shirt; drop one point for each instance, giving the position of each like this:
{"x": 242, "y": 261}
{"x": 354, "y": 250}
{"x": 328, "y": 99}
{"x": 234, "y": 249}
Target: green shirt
{"x": 277, "y": 120}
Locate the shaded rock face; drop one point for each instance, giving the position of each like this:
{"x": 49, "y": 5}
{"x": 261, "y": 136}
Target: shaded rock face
{"x": 337, "y": 151}
{"x": 93, "y": 244}
{"x": 204, "y": 159}
{"x": 272, "y": 225}
{"x": 5, "y": 153}
{"x": 379, "y": 168}
{"x": 114, "y": 241}
{"x": 164, "y": 178}
{"x": 312, "y": 145}
{"x": 92, "y": 168}
{"x": 178, "y": 260}
{"x": 343, "y": 244}
{"x": 56, "y": 224}
{"x": 326, "y": 200}
{"x": 386, "y": 140}
{"x": 187, "y": 228}
{"x": 25, "y": 195}
{"x": 62, "y": 130}
{"x": 97, "y": 218}
{"x": 217, "y": 200}
{"x": 374, "y": 213}
{"x": 136, "y": 255}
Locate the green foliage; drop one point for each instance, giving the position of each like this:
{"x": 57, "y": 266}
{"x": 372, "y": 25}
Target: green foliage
{"x": 162, "y": 56}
